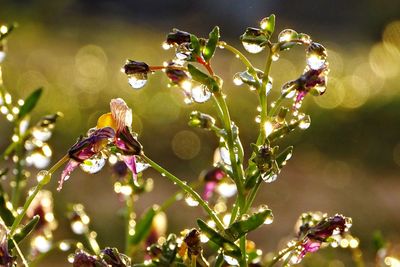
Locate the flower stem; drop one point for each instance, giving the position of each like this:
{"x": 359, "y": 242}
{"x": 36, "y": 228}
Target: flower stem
{"x": 35, "y": 191}
{"x": 24, "y": 262}
{"x": 239, "y": 55}
{"x": 281, "y": 254}
{"x": 243, "y": 249}
{"x": 183, "y": 185}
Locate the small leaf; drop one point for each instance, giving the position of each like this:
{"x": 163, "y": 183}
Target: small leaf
{"x": 5, "y": 213}
{"x": 143, "y": 226}
{"x": 252, "y": 176}
{"x": 203, "y": 78}
{"x": 195, "y": 44}
{"x": 211, "y": 45}
{"x": 268, "y": 24}
{"x": 242, "y": 227}
{"x": 30, "y": 103}
{"x": 228, "y": 246}
{"x": 25, "y": 231}
{"x": 284, "y": 156}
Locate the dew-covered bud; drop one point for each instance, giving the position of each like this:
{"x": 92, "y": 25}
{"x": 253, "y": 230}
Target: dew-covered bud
{"x": 177, "y": 76}
{"x": 177, "y": 37}
{"x": 83, "y": 259}
{"x": 201, "y": 120}
{"x": 113, "y": 258}
{"x": 254, "y": 40}
{"x": 193, "y": 242}
{"x": 134, "y": 67}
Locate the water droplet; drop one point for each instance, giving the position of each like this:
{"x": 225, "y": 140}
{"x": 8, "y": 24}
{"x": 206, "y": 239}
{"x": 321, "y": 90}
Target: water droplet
{"x": 305, "y": 38}
{"x": 269, "y": 177}
{"x": 2, "y": 56}
{"x": 42, "y": 175}
{"x": 166, "y": 46}
{"x": 269, "y": 219}
{"x": 64, "y": 246}
{"x": 263, "y": 208}
{"x": 268, "y": 87}
{"x": 41, "y": 244}
{"x": 78, "y": 227}
{"x": 200, "y": 94}
{"x": 237, "y": 79}
{"x": 348, "y": 222}
{"x": 319, "y": 89}
{"x": 275, "y": 56}
{"x": 71, "y": 258}
{"x": 191, "y": 201}
{"x": 204, "y": 238}
{"x": 94, "y": 164}
{"x": 252, "y": 48}
{"x": 183, "y": 52}
{"x": 289, "y": 89}
{"x": 231, "y": 261}
{"x": 305, "y": 122}
{"x": 246, "y": 77}
{"x": 258, "y": 119}
{"x": 225, "y": 156}
{"x": 245, "y": 217}
{"x": 268, "y": 128}
{"x": 137, "y": 80}
{"x": 287, "y": 35}
{"x": 226, "y": 189}
{"x": 316, "y": 56}
{"x": 41, "y": 133}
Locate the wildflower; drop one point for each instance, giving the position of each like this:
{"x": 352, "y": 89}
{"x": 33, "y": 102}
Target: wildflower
{"x": 178, "y": 37}
{"x": 316, "y": 229}
{"x": 212, "y": 178}
{"x": 83, "y": 259}
{"x": 113, "y": 130}
{"x": 5, "y": 258}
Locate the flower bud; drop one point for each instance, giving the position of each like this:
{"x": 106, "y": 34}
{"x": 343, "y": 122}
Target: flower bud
{"x": 135, "y": 67}
{"x": 177, "y": 37}
{"x": 201, "y": 120}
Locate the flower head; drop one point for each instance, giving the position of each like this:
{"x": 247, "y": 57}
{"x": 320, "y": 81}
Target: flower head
{"x": 112, "y": 135}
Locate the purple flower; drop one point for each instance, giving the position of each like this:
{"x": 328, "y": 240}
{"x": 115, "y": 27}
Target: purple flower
{"x": 178, "y": 37}
{"x": 5, "y": 258}
{"x": 211, "y": 178}
{"x": 316, "y": 230}
{"x": 134, "y": 67}
{"x": 83, "y": 259}
{"x": 113, "y": 130}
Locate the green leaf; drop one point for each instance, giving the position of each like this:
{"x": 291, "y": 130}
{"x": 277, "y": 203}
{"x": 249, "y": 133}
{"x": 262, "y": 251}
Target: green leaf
{"x": 252, "y": 176}
{"x": 143, "y": 226}
{"x": 195, "y": 44}
{"x": 211, "y": 45}
{"x": 30, "y": 103}
{"x": 242, "y": 227}
{"x": 284, "y": 156}
{"x": 228, "y": 246}
{"x": 26, "y": 230}
{"x": 203, "y": 78}
{"x": 268, "y": 24}
{"x": 5, "y": 213}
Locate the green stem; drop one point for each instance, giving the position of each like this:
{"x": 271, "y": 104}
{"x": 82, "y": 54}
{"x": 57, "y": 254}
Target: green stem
{"x": 281, "y": 254}
{"x": 186, "y": 188}
{"x": 243, "y": 249}
{"x": 275, "y": 108}
{"x": 24, "y": 262}
{"x": 32, "y": 195}
{"x": 263, "y": 96}
{"x": 239, "y": 55}
{"x": 16, "y": 192}
{"x": 252, "y": 195}
{"x": 193, "y": 261}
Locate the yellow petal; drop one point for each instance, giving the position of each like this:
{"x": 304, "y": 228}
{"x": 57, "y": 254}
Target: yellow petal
{"x": 106, "y": 120}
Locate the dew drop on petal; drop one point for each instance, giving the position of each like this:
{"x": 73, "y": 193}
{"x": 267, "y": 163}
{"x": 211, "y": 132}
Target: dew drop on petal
{"x": 269, "y": 177}
{"x": 252, "y": 48}
{"x": 315, "y": 61}
{"x": 191, "y": 201}
{"x": 93, "y": 165}
{"x": 200, "y": 94}
{"x": 137, "y": 80}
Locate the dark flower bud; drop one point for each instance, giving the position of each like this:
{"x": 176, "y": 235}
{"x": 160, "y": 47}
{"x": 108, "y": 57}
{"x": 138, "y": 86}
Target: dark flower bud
{"x": 127, "y": 143}
{"x": 201, "y": 120}
{"x": 318, "y": 49}
{"x": 263, "y": 158}
{"x": 175, "y": 75}
{"x": 177, "y": 37}
{"x": 154, "y": 251}
{"x": 135, "y": 67}
{"x": 214, "y": 175}
{"x": 83, "y": 259}
{"x": 192, "y": 240}
{"x": 115, "y": 259}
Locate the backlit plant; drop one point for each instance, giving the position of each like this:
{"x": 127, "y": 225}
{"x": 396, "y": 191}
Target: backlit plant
{"x": 225, "y": 228}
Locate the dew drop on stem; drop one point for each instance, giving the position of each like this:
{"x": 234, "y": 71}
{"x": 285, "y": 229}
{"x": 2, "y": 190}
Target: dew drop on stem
{"x": 190, "y": 201}
{"x": 252, "y": 48}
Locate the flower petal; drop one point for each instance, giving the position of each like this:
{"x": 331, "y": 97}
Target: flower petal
{"x": 66, "y": 173}
{"x": 121, "y": 113}
{"x": 130, "y": 161}
{"x": 127, "y": 143}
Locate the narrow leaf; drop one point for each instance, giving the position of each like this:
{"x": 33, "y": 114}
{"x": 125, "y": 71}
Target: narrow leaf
{"x": 30, "y": 103}
{"x": 242, "y": 227}
{"x": 5, "y": 213}
{"x": 195, "y": 44}
{"x": 268, "y": 24}
{"x": 211, "y": 45}
{"x": 26, "y": 230}
{"x": 228, "y": 246}
{"x": 203, "y": 78}
{"x": 143, "y": 226}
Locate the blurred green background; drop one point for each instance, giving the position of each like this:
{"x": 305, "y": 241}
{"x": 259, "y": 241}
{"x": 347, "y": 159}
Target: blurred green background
{"x": 347, "y": 162}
